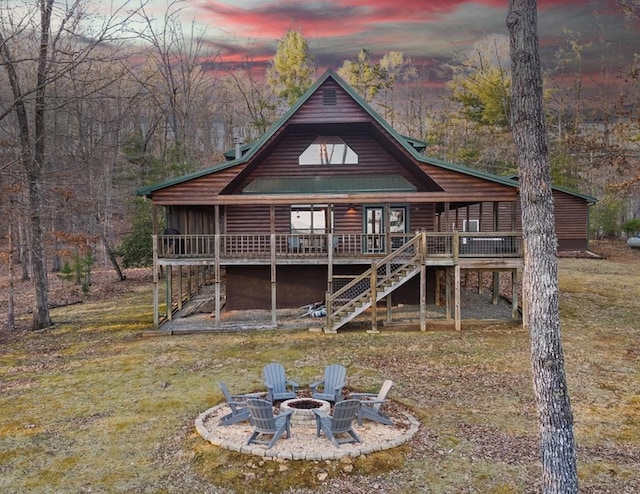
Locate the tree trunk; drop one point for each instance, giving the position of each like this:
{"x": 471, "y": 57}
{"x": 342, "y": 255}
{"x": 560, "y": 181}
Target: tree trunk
{"x": 41, "y": 317}
{"x": 11, "y": 317}
{"x": 540, "y": 279}
{"x": 112, "y": 257}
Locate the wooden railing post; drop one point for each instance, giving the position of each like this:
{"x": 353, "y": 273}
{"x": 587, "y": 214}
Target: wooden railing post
{"x": 456, "y": 246}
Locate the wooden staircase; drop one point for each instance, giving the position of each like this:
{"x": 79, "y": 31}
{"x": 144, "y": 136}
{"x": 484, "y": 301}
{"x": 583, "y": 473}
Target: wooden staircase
{"x": 374, "y": 284}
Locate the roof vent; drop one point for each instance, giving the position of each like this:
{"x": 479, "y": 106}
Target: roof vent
{"x": 329, "y": 97}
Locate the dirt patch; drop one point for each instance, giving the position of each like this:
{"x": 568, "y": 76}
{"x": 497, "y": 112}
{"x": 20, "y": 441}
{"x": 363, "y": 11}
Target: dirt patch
{"x": 615, "y": 250}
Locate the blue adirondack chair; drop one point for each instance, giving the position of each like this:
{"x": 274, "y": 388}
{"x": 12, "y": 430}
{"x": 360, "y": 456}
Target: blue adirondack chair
{"x": 266, "y": 423}
{"x": 278, "y": 386}
{"x": 237, "y": 404}
{"x": 330, "y": 388}
{"x": 371, "y": 403}
{"x": 340, "y": 423}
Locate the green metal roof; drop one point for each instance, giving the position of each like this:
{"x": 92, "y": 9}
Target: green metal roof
{"x": 566, "y": 190}
{"x": 329, "y": 185}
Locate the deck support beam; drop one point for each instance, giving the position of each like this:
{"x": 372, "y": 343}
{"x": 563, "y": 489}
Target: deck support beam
{"x": 274, "y": 303}
{"x": 423, "y": 297}
{"x": 447, "y": 293}
{"x": 457, "y": 296}
{"x": 514, "y": 294}
{"x": 216, "y": 265}
{"x": 169, "y": 292}
{"x": 374, "y": 298}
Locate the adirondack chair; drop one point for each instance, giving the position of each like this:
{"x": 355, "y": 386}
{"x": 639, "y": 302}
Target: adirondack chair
{"x": 237, "y": 404}
{"x": 278, "y": 386}
{"x": 266, "y": 423}
{"x": 370, "y": 404}
{"x": 341, "y": 422}
{"x": 330, "y": 388}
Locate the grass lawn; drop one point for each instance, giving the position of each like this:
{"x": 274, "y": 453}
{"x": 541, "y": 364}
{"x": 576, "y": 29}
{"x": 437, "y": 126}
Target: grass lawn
{"x": 93, "y": 405}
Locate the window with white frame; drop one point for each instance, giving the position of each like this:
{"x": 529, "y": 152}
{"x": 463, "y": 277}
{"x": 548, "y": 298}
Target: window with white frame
{"x": 308, "y": 219}
{"x": 471, "y": 226}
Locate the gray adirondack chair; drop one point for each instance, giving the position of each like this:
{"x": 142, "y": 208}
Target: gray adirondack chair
{"x": 340, "y": 423}
{"x": 371, "y": 403}
{"x": 266, "y": 423}
{"x": 237, "y": 404}
{"x": 330, "y": 388}
{"x": 278, "y": 386}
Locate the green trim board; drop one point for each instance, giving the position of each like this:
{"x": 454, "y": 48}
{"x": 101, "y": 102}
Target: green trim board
{"x": 329, "y": 185}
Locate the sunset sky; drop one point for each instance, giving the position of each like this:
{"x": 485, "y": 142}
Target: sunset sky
{"x": 428, "y": 31}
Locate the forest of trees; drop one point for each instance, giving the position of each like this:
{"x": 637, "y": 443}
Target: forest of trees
{"x": 94, "y": 106}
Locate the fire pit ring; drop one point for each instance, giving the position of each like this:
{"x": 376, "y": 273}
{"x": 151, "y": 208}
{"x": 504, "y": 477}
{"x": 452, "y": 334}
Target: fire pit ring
{"x": 303, "y": 410}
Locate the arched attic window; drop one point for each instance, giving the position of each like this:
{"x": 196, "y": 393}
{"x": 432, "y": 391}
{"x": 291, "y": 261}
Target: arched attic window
{"x": 328, "y": 150}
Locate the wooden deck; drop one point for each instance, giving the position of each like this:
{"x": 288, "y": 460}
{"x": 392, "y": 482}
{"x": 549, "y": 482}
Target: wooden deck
{"x": 450, "y": 251}
{"x": 469, "y": 249}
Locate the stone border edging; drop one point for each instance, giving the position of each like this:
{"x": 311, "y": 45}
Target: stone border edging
{"x": 309, "y": 455}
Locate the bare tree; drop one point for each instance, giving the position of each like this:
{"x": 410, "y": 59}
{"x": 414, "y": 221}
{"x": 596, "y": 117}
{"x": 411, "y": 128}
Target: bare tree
{"x": 175, "y": 81}
{"x": 540, "y": 279}
{"x": 55, "y": 35}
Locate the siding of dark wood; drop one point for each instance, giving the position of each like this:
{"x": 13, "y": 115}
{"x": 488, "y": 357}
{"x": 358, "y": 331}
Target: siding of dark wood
{"x": 191, "y": 219}
{"x": 571, "y": 219}
{"x": 198, "y": 191}
{"x": 250, "y": 219}
{"x": 249, "y": 287}
{"x": 373, "y": 160}
{"x": 256, "y": 219}
{"x": 460, "y": 183}
{"x": 314, "y": 111}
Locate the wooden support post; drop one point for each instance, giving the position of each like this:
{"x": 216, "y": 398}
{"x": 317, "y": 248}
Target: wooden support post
{"x": 180, "y": 294}
{"x": 423, "y": 297}
{"x": 456, "y": 246}
{"x": 330, "y": 262}
{"x": 388, "y": 297}
{"x": 479, "y": 282}
{"x": 447, "y": 292}
{"x": 156, "y": 268}
{"x": 374, "y": 298}
{"x": 457, "y": 296}
{"x": 423, "y": 281}
{"x": 216, "y": 263}
{"x": 496, "y": 287}
{"x": 169, "y": 292}
{"x": 447, "y": 221}
{"x": 328, "y": 325}
{"x": 514, "y": 294}
{"x": 274, "y": 319}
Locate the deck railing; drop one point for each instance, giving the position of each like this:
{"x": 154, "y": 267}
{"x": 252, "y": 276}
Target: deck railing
{"x": 338, "y": 245}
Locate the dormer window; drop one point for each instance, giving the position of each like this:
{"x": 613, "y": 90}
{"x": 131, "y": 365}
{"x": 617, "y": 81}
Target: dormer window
{"x": 328, "y": 150}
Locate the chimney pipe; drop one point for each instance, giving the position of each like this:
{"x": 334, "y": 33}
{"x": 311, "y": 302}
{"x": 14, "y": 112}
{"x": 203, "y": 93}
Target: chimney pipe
{"x": 237, "y": 141}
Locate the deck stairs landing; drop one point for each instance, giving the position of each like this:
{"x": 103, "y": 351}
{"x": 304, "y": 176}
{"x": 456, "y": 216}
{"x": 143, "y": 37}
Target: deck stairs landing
{"x": 384, "y": 276}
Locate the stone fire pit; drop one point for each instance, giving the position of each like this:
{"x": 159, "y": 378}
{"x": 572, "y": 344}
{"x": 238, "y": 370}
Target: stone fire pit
{"x": 303, "y": 410}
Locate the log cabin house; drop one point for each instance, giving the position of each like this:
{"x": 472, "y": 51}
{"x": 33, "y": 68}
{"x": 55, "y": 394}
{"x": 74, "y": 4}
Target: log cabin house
{"x": 333, "y": 205}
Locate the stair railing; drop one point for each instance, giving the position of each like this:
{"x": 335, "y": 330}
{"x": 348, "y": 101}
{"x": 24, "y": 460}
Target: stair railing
{"x": 356, "y": 295}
